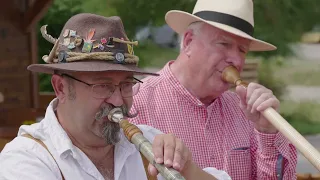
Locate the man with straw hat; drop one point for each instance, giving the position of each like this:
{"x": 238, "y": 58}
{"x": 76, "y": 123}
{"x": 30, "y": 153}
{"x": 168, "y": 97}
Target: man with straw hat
{"x": 92, "y": 65}
{"x": 190, "y": 99}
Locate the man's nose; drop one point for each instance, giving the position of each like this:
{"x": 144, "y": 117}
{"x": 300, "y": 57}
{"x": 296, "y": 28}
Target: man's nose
{"x": 116, "y": 98}
{"x": 236, "y": 58}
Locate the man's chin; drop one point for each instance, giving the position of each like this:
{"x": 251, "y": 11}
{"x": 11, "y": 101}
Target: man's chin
{"x": 110, "y": 132}
{"x": 107, "y": 140}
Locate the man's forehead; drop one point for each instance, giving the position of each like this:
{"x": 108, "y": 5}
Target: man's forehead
{"x": 217, "y": 33}
{"x": 237, "y": 39}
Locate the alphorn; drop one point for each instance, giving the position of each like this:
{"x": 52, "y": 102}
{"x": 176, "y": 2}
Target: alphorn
{"x": 231, "y": 75}
{"x": 135, "y": 136}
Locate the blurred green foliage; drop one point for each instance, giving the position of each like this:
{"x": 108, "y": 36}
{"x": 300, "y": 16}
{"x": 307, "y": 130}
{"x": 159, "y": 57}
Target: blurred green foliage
{"x": 303, "y": 116}
{"x": 141, "y": 12}
{"x": 267, "y": 78}
{"x": 282, "y": 22}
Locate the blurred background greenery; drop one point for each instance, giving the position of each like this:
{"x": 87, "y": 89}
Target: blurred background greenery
{"x": 280, "y": 22}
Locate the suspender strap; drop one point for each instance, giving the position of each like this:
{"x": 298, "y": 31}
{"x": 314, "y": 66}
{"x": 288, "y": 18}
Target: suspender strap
{"x": 145, "y": 161}
{"x": 42, "y": 144}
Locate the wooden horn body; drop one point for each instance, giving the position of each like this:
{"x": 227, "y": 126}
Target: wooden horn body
{"x": 231, "y": 75}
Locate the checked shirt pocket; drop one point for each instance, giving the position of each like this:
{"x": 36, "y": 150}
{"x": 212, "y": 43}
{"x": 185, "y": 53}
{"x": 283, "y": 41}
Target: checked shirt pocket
{"x": 238, "y": 163}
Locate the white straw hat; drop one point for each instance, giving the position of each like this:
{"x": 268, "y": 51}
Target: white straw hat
{"x": 233, "y": 16}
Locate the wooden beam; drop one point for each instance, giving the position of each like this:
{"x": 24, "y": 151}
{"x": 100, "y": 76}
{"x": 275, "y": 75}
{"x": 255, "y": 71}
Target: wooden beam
{"x": 33, "y": 46}
{"x": 35, "y": 13}
{"x": 10, "y": 13}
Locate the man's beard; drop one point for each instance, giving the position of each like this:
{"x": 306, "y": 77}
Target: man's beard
{"x": 111, "y": 129}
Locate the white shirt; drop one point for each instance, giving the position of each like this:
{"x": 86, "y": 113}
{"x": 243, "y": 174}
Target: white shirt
{"x": 26, "y": 159}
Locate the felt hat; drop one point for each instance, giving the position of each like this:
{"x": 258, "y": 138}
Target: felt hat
{"x": 90, "y": 43}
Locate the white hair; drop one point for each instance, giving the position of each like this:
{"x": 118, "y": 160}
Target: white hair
{"x": 195, "y": 27}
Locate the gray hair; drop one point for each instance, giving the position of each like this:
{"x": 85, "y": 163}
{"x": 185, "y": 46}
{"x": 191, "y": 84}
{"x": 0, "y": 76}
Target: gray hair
{"x": 195, "y": 27}
{"x": 111, "y": 130}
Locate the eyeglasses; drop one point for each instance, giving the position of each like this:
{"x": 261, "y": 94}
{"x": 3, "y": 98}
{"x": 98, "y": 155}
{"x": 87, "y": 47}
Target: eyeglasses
{"x": 103, "y": 91}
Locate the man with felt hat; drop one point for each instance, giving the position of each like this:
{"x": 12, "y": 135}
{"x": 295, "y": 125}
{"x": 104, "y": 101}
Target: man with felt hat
{"x": 93, "y": 66}
{"x": 222, "y": 128}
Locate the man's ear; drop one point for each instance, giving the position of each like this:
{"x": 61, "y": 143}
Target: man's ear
{"x": 187, "y": 39}
{"x": 59, "y": 86}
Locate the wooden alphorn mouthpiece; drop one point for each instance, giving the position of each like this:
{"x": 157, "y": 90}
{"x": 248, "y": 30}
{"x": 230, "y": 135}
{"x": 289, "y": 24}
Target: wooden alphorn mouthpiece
{"x": 231, "y": 75}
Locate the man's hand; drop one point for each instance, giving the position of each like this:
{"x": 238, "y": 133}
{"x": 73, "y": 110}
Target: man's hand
{"x": 171, "y": 151}
{"x": 255, "y": 99}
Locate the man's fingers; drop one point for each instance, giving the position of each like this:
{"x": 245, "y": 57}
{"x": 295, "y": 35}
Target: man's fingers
{"x": 169, "y": 149}
{"x": 179, "y": 159}
{"x": 157, "y": 148}
{"x": 152, "y": 170}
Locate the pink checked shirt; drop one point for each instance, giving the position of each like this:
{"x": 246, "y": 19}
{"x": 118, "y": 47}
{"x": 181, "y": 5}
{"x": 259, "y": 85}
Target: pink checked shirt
{"x": 218, "y": 135}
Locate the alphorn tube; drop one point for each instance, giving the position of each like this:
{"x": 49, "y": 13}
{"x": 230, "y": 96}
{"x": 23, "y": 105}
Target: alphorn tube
{"x": 135, "y": 136}
{"x": 231, "y": 75}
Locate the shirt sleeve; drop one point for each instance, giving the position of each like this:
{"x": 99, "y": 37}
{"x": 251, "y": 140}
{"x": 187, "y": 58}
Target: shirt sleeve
{"x": 274, "y": 157}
